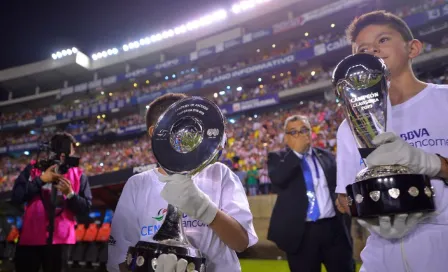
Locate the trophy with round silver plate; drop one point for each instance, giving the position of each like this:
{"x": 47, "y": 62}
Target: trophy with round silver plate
{"x": 188, "y": 136}
{"x": 361, "y": 83}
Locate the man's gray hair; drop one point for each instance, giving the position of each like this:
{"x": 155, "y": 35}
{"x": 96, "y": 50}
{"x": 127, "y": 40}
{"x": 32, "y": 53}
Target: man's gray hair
{"x": 297, "y": 117}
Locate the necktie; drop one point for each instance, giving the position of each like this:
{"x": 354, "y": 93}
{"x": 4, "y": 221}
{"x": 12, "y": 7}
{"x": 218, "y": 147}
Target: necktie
{"x": 313, "y": 212}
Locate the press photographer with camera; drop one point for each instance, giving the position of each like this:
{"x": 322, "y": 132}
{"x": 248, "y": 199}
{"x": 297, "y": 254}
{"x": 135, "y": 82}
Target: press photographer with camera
{"x": 54, "y": 191}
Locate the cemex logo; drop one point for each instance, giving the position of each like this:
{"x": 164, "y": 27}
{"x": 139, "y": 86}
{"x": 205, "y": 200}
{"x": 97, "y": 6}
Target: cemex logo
{"x": 160, "y": 215}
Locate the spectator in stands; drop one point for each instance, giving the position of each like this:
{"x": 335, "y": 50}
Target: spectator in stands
{"x": 252, "y": 179}
{"x": 215, "y": 200}
{"x": 265, "y": 181}
{"x": 33, "y": 188}
{"x": 409, "y": 242}
{"x": 304, "y": 222}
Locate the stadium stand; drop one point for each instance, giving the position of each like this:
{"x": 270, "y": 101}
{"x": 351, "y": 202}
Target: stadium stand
{"x": 258, "y": 77}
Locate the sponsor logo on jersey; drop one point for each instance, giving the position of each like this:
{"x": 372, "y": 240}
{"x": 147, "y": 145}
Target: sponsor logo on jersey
{"x": 415, "y": 134}
{"x": 187, "y": 222}
{"x": 422, "y": 138}
{"x": 160, "y": 215}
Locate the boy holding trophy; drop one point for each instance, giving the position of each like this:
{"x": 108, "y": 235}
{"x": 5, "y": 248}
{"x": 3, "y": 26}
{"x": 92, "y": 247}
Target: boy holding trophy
{"x": 217, "y": 219}
{"x": 416, "y": 138}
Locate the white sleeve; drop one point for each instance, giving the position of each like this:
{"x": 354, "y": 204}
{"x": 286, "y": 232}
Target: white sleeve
{"x": 348, "y": 158}
{"x": 234, "y": 203}
{"x": 124, "y": 227}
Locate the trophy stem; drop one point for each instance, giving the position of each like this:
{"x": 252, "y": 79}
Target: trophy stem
{"x": 172, "y": 230}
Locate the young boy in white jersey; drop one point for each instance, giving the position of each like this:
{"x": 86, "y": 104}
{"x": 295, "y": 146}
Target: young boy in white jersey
{"x": 218, "y": 220}
{"x": 418, "y": 138}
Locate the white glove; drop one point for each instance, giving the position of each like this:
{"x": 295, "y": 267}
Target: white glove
{"x": 169, "y": 263}
{"x": 394, "y": 150}
{"x": 392, "y": 227}
{"x": 181, "y": 192}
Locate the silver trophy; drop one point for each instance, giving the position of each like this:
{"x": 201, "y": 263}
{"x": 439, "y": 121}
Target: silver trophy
{"x": 361, "y": 83}
{"x": 188, "y": 137}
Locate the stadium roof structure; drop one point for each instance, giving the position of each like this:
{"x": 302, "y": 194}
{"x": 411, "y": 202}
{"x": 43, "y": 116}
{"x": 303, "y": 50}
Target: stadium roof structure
{"x": 56, "y": 73}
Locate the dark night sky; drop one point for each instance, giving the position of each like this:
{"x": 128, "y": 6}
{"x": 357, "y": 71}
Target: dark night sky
{"x": 32, "y": 30}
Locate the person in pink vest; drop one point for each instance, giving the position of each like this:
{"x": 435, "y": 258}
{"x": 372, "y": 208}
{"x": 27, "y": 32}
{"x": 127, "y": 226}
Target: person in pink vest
{"x": 33, "y": 188}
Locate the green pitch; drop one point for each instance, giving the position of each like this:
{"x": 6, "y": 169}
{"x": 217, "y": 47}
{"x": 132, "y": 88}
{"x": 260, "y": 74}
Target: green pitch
{"x": 269, "y": 266}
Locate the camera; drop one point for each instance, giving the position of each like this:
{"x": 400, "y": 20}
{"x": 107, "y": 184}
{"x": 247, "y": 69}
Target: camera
{"x": 58, "y": 153}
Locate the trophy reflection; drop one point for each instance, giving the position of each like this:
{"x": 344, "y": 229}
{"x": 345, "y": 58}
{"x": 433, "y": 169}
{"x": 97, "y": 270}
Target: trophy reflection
{"x": 188, "y": 137}
{"x": 361, "y": 83}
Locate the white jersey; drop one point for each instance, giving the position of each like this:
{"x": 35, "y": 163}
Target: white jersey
{"x": 422, "y": 121}
{"x": 141, "y": 209}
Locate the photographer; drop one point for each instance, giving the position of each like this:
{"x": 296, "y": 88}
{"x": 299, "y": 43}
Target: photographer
{"x": 71, "y": 198}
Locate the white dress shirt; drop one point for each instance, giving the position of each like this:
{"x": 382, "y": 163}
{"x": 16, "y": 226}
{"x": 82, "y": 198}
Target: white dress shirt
{"x": 320, "y": 186}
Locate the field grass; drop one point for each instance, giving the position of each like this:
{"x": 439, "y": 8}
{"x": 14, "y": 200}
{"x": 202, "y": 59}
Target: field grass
{"x": 269, "y": 266}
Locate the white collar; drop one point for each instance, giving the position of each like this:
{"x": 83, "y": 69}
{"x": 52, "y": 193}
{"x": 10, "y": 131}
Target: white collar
{"x": 309, "y": 152}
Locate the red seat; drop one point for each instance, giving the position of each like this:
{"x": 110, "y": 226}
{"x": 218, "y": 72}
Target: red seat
{"x": 91, "y": 233}
{"x": 80, "y": 232}
{"x": 13, "y": 235}
{"x": 103, "y": 233}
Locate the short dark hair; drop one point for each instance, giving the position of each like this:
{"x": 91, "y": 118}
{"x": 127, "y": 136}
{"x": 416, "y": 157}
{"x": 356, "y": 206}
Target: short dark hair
{"x": 62, "y": 142}
{"x": 379, "y": 17}
{"x": 159, "y": 106}
{"x": 65, "y": 135}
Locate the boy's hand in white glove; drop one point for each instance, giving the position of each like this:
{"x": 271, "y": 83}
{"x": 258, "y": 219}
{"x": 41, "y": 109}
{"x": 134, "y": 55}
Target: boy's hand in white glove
{"x": 170, "y": 263}
{"x": 181, "y": 192}
{"x": 393, "y": 150}
{"x": 392, "y": 227}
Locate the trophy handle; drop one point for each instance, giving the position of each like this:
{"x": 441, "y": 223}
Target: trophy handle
{"x": 172, "y": 229}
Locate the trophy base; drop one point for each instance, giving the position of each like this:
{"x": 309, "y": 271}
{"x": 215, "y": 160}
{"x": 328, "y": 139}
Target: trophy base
{"x": 143, "y": 257}
{"x": 389, "y": 194}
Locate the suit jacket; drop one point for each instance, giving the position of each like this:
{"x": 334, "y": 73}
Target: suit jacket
{"x": 289, "y": 214}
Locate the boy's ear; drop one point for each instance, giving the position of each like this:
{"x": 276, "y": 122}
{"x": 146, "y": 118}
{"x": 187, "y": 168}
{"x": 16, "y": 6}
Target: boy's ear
{"x": 415, "y": 48}
{"x": 151, "y": 131}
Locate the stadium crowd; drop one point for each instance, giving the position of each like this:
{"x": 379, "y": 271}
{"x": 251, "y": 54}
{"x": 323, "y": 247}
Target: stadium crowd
{"x": 249, "y": 140}
{"x": 249, "y": 137}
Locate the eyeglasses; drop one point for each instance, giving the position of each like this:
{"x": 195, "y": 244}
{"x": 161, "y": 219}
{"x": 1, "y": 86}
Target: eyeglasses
{"x": 303, "y": 130}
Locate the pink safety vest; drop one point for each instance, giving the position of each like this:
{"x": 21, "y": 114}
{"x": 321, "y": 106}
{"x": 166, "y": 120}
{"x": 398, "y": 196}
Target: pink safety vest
{"x": 35, "y": 220}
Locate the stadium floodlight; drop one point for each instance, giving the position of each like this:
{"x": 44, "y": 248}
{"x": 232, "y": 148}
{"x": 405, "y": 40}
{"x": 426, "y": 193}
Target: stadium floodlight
{"x": 180, "y": 29}
{"x": 206, "y": 20}
{"x": 94, "y": 57}
{"x": 222, "y": 93}
{"x": 246, "y": 5}
{"x": 64, "y": 53}
{"x": 239, "y": 89}
{"x": 109, "y": 52}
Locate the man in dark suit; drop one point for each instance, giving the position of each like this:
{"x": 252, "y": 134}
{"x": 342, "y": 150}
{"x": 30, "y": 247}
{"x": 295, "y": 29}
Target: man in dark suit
{"x": 305, "y": 222}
